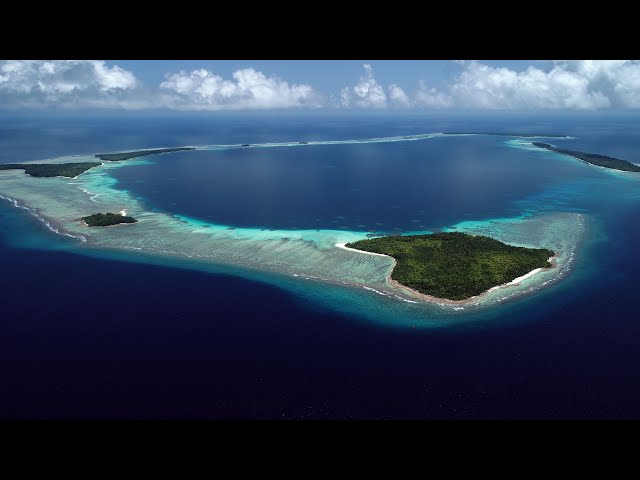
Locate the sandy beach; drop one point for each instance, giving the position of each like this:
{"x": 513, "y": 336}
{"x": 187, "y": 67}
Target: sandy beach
{"x": 343, "y": 247}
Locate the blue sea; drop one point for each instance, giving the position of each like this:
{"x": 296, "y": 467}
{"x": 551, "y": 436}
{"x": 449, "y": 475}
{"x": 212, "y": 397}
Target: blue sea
{"x": 111, "y": 336}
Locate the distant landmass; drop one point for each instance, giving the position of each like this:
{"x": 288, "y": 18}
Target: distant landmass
{"x": 454, "y": 266}
{"x": 506, "y": 134}
{"x": 74, "y": 169}
{"x": 117, "y": 157}
{"x": 106, "y": 219}
{"x": 51, "y": 169}
{"x": 593, "y": 158}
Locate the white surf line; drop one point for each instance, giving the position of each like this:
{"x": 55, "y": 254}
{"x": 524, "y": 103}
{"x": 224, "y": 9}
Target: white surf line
{"x": 15, "y": 203}
{"x": 344, "y": 247}
{"x": 404, "y": 299}
{"x": 374, "y": 290}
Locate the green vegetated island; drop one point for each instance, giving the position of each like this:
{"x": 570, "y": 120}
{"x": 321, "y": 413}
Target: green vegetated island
{"x": 107, "y": 219}
{"x": 74, "y": 169}
{"x": 51, "y": 169}
{"x": 593, "y": 158}
{"x": 455, "y": 266}
{"x": 117, "y": 157}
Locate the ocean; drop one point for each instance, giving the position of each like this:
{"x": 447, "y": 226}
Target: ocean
{"x": 106, "y": 334}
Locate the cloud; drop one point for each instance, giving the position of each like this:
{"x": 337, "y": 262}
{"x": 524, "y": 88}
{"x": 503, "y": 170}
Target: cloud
{"x": 568, "y": 85}
{"x": 250, "y": 89}
{"x": 560, "y": 85}
{"x": 63, "y": 82}
{"x": 367, "y": 93}
{"x": 398, "y": 97}
{"x": 579, "y": 85}
{"x": 618, "y": 80}
{"x": 431, "y": 97}
{"x": 94, "y": 84}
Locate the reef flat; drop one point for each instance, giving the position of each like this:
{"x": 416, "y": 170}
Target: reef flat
{"x": 307, "y": 255}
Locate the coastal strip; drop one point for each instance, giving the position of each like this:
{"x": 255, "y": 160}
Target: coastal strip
{"x": 67, "y": 170}
{"x": 344, "y": 247}
{"x": 507, "y": 134}
{"x": 592, "y": 158}
{"x": 118, "y": 157}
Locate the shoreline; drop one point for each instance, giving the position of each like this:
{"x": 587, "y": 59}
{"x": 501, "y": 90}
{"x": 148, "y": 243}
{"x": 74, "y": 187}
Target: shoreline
{"x": 107, "y": 226}
{"x": 445, "y": 301}
{"x": 343, "y": 247}
{"x": 393, "y": 288}
{"x": 589, "y": 157}
{"x": 51, "y": 224}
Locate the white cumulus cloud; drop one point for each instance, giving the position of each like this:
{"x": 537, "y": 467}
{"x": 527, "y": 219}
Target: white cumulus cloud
{"x": 431, "y": 97}
{"x": 567, "y": 85}
{"x": 67, "y": 84}
{"x": 580, "y": 85}
{"x": 367, "y": 93}
{"x": 561, "y": 85}
{"x": 47, "y": 82}
{"x": 250, "y": 89}
{"x": 398, "y": 97}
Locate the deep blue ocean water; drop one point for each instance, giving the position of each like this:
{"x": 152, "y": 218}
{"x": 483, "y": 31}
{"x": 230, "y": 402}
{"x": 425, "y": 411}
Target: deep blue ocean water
{"x": 84, "y": 337}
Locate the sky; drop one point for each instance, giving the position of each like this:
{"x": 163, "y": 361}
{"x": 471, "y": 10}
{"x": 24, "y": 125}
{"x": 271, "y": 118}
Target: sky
{"x": 320, "y": 85}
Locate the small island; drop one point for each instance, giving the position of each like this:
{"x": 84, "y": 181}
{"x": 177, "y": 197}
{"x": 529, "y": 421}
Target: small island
{"x": 107, "y": 219}
{"x": 453, "y": 265}
{"x": 593, "y": 158}
{"x": 70, "y": 170}
{"x": 117, "y": 157}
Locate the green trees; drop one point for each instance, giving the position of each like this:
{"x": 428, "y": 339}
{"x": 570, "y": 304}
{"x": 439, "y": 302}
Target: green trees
{"x": 106, "y": 219}
{"x": 593, "y": 158}
{"x": 74, "y": 169}
{"x": 117, "y": 157}
{"x": 454, "y": 265}
{"x": 51, "y": 169}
